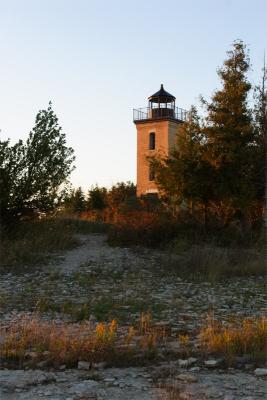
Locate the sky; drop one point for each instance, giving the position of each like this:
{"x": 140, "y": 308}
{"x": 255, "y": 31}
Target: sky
{"x": 97, "y": 60}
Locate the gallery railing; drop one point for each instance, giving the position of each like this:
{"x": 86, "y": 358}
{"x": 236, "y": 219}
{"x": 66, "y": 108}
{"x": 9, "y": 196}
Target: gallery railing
{"x": 177, "y": 113}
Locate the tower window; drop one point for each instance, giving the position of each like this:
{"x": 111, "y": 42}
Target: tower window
{"x": 151, "y": 173}
{"x": 152, "y": 141}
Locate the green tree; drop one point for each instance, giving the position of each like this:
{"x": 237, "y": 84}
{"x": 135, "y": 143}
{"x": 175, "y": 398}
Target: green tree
{"x": 260, "y": 120}
{"x": 185, "y": 177}
{"x": 120, "y": 194}
{"x": 229, "y": 133}
{"x": 75, "y": 201}
{"x": 97, "y": 198}
{"x": 32, "y": 174}
{"x": 215, "y": 163}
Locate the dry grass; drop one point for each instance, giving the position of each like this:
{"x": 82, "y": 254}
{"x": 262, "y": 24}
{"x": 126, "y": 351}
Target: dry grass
{"x": 248, "y": 336}
{"x": 216, "y": 263}
{"x": 58, "y": 343}
{"x": 34, "y": 340}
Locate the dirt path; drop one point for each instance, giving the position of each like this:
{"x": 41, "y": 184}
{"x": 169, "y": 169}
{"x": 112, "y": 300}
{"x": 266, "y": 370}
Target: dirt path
{"x": 94, "y": 249}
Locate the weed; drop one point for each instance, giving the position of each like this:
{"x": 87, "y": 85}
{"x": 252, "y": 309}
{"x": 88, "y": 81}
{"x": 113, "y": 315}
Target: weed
{"x": 248, "y": 336}
{"x": 61, "y": 343}
{"x": 31, "y": 340}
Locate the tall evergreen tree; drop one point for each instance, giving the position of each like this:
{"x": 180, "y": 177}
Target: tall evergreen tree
{"x": 186, "y": 176}
{"x": 97, "y": 198}
{"x": 260, "y": 115}
{"x": 230, "y": 137}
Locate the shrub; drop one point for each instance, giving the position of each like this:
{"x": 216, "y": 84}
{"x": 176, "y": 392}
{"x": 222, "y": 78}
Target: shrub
{"x": 143, "y": 228}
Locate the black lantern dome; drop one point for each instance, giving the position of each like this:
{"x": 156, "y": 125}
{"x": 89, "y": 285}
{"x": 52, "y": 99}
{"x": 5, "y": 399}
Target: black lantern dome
{"x": 161, "y": 96}
{"x": 161, "y": 104}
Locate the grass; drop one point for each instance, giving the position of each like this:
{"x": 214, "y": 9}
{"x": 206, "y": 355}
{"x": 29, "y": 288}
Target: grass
{"x": 236, "y": 338}
{"x": 212, "y": 263}
{"x": 58, "y": 343}
{"x": 31, "y": 340}
{"x": 123, "y": 310}
{"x": 33, "y": 242}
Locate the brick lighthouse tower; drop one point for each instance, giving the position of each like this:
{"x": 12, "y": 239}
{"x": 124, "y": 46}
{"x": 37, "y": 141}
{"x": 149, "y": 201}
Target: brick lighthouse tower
{"x": 157, "y": 126}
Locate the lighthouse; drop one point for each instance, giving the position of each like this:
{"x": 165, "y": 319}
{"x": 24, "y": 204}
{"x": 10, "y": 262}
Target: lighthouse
{"x": 157, "y": 126}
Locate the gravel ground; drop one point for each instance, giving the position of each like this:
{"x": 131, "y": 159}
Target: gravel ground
{"x": 121, "y": 282}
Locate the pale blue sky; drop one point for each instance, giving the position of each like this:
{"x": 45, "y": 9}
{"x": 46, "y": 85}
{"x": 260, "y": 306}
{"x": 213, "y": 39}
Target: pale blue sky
{"x": 96, "y": 60}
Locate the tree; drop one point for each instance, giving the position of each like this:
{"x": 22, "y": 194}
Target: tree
{"x": 32, "y": 173}
{"x": 75, "y": 201}
{"x": 215, "y": 164}
{"x": 260, "y": 120}
{"x": 97, "y": 198}
{"x": 120, "y": 194}
{"x": 185, "y": 177}
{"x": 229, "y": 133}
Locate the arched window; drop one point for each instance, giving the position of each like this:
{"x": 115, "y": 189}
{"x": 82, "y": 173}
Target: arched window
{"x": 152, "y": 141}
{"x": 151, "y": 173}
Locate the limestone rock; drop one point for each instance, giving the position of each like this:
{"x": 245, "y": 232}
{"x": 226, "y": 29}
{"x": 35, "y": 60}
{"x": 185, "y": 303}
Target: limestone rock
{"x": 187, "y": 362}
{"x": 212, "y": 363}
{"x": 187, "y": 378}
{"x": 83, "y": 365}
{"x": 260, "y": 372}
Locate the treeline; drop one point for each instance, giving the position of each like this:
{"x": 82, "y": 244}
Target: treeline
{"x": 98, "y": 200}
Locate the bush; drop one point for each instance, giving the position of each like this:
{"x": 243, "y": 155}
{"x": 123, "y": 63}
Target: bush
{"x": 143, "y": 228}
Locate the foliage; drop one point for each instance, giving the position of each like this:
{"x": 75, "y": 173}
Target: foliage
{"x": 32, "y": 173}
{"x": 97, "y": 198}
{"x": 120, "y": 194}
{"x": 142, "y": 228}
{"x": 75, "y": 201}
{"x": 217, "y": 164}
{"x": 186, "y": 175}
{"x": 231, "y": 146}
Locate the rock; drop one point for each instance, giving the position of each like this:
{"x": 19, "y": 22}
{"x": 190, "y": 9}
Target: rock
{"x": 100, "y": 365}
{"x": 42, "y": 364}
{"x": 260, "y": 372}
{"x": 187, "y": 378}
{"x": 187, "y": 362}
{"x": 212, "y": 363}
{"x": 109, "y": 381}
{"x": 195, "y": 369}
{"x": 83, "y": 365}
